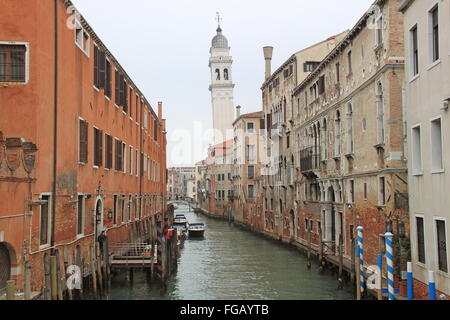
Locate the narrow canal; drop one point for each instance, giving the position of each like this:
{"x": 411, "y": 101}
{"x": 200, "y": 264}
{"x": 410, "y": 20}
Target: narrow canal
{"x": 232, "y": 264}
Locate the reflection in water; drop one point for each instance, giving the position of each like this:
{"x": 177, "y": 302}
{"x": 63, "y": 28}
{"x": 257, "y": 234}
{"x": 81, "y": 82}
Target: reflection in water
{"x": 230, "y": 264}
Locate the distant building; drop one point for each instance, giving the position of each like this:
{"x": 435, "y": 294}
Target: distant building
{"x": 427, "y": 98}
{"x": 177, "y": 184}
{"x": 249, "y": 138}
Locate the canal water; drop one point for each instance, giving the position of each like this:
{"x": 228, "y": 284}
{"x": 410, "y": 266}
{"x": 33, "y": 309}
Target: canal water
{"x": 232, "y": 264}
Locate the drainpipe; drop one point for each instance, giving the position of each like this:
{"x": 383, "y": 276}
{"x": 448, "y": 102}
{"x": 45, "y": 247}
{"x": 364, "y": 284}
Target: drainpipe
{"x": 55, "y": 128}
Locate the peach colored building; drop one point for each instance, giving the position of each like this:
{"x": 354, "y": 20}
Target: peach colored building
{"x": 82, "y": 151}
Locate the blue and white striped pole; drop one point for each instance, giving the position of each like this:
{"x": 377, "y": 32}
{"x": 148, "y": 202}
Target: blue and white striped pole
{"x": 431, "y": 285}
{"x": 390, "y": 264}
{"x": 380, "y": 277}
{"x": 410, "y": 281}
{"x": 361, "y": 258}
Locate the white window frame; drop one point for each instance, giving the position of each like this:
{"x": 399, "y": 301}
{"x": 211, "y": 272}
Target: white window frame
{"x": 416, "y": 171}
{"x": 137, "y": 153}
{"x": 416, "y": 252}
{"x": 130, "y": 148}
{"x": 83, "y": 218}
{"x": 436, "y": 246}
{"x": 379, "y": 191}
{"x": 86, "y": 50}
{"x": 442, "y": 169}
{"x": 78, "y": 139}
{"x": 430, "y": 35}
{"x": 413, "y": 76}
{"x": 124, "y": 148}
{"x": 50, "y": 220}
{"x": 27, "y": 60}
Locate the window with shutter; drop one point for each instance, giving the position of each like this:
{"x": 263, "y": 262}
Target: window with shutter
{"x": 102, "y": 70}
{"x": 322, "y": 84}
{"x": 121, "y": 90}
{"x": 117, "y": 89}
{"x": 125, "y": 96}
{"x": 83, "y": 141}
{"x": 108, "y": 80}
{"x": 155, "y": 128}
{"x": 98, "y": 147}
{"x": 96, "y": 60}
{"x": 108, "y": 152}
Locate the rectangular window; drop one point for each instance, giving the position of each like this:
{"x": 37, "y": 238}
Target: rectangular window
{"x": 251, "y": 191}
{"x": 365, "y": 191}
{"x": 380, "y": 31}
{"x": 251, "y": 172}
{"x": 123, "y": 208}
{"x": 98, "y": 147}
{"x": 83, "y": 142}
{"x": 382, "y": 191}
{"x": 108, "y": 79}
{"x": 108, "y": 151}
{"x": 115, "y": 208}
{"x": 416, "y": 150}
{"x": 12, "y": 63}
{"x": 117, "y": 88}
{"x": 442, "y": 245}
{"x": 155, "y": 128}
{"x": 349, "y": 61}
{"x": 82, "y": 38}
{"x": 436, "y": 145}
{"x": 250, "y": 127}
{"x": 45, "y": 221}
{"x": 124, "y": 157}
{"x": 80, "y": 214}
{"x": 250, "y": 153}
{"x": 338, "y": 72}
{"x": 420, "y": 240}
{"x": 137, "y": 163}
{"x": 352, "y": 191}
{"x": 131, "y": 160}
{"x": 434, "y": 17}
{"x": 414, "y": 51}
{"x": 119, "y": 155}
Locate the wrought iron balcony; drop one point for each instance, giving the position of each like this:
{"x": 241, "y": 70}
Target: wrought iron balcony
{"x": 309, "y": 159}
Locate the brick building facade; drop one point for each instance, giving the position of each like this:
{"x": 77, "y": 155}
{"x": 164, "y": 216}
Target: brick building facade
{"x": 88, "y": 151}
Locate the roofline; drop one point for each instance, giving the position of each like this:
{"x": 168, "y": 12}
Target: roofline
{"x": 294, "y": 57}
{"x": 339, "y": 48}
{"x": 252, "y": 115}
{"x": 100, "y": 43}
{"x": 405, "y": 5}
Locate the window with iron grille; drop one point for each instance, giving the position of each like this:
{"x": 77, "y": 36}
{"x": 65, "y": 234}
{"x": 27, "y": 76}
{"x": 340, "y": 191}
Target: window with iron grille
{"x": 12, "y": 63}
{"x": 442, "y": 245}
{"x": 45, "y": 221}
{"x": 420, "y": 240}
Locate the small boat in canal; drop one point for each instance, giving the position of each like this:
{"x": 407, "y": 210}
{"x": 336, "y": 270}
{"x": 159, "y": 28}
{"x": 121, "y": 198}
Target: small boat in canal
{"x": 196, "y": 230}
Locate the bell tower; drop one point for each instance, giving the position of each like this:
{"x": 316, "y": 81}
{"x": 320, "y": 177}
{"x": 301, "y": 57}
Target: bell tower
{"x": 222, "y": 87}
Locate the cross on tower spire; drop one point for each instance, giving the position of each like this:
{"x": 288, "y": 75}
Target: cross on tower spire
{"x": 219, "y": 19}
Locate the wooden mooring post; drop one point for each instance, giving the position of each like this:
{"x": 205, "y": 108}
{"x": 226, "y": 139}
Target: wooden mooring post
{"x": 10, "y": 290}
{"x": 309, "y": 246}
{"x": 53, "y": 278}
{"x": 27, "y": 280}
{"x": 93, "y": 273}
{"x": 320, "y": 250}
{"x": 341, "y": 262}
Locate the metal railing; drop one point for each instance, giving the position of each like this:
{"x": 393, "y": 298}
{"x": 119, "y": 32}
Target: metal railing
{"x": 309, "y": 159}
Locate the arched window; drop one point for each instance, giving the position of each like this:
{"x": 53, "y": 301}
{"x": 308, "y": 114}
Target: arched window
{"x": 380, "y": 112}
{"x": 217, "y": 74}
{"x": 337, "y": 134}
{"x": 325, "y": 140}
{"x": 225, "y": 74}
{"x": 351, "y": 143}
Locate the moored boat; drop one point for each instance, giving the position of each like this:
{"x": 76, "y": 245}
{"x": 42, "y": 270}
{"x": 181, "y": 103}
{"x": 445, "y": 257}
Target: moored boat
{"x": 196, "y": 230}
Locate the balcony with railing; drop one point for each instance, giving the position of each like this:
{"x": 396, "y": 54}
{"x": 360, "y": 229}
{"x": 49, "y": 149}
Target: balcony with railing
{"x": 309, "y": 160}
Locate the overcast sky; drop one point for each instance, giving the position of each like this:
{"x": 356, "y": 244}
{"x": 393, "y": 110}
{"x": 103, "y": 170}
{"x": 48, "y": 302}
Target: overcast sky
{"x": 164, "y": 46}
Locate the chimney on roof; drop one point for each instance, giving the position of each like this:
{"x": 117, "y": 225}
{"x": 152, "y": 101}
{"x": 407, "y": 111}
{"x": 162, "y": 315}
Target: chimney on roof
{"x": 268, "y": 51}
{"x": 238, "y": 112}
{"x": 160, "y": 112}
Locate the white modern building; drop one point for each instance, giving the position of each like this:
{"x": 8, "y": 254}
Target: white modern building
{"x": 427, "y": 96}
{"x": 221, "y": 88}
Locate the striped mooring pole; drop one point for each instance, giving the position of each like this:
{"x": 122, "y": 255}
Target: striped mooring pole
{"x": 431, "y": 285}
{"x": 390, "y": 264}
{"x": 380, "y": 277}
{"x": 410, "y": 281}
{"x": 361, "y": 258}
